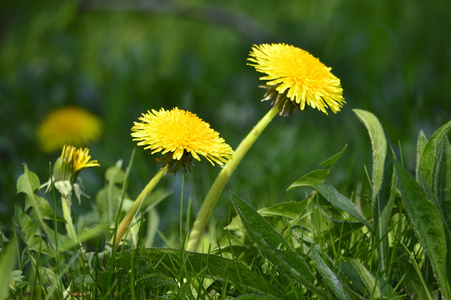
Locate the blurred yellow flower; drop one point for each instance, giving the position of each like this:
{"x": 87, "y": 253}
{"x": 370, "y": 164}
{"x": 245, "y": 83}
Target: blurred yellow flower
{"x": 71, "y": 162}
{"x": 180, "y": 135}
{"x": 69, "y": 125}
{"x": 296, "y": 78}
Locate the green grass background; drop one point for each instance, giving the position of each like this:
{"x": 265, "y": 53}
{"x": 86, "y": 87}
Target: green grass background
{"x": 393, "y": 59}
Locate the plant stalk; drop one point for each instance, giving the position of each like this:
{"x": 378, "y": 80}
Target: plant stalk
{"x": 67, "y": 216}
{"x": 125, "y": 223}
{"x": 220, "y": 182}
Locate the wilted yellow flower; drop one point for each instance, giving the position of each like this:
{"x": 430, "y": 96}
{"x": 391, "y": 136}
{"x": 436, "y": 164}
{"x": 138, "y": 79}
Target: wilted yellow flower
{"x": 71, "y": 162}
{"x": 296, "y": 78}
{"x": 180, "y": 135}
{"x": 69, "y": 125}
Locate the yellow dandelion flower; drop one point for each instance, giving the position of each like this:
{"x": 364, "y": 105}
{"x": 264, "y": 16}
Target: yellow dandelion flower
{"x": 296, "y": 79}
{"x": 71, "y": 162}
{"x": 65, "y": 172}
{"x": 78, "y": 158}
{"x": 69, "y": 125}
{"x": 180, "y": 135}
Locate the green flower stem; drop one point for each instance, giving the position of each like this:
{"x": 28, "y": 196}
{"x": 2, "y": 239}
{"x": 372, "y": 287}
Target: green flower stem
{"x": 227, "y": 171}
{"x": 125, "y": 223}
{"x": 65, "y": 203}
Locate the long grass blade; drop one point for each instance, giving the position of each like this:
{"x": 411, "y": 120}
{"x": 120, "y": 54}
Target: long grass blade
{"x": 427, "y": 223}
{"x": 379, "y": 147}
{"x": 273, "y": 245}
{"x": 338, "y": 200}
{"x": 382, "y": 212}
{"x": 329, "y": 277}
{"x": 428, "y": 161}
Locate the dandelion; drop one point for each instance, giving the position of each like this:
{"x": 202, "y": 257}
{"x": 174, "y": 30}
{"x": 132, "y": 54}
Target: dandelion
{"x": 296, "y": 79}
{"x": 71, "y": 162}
{"x": 67, "y": 168}
{"x": 180, "y": 135}
{"x": 69, "y": 125}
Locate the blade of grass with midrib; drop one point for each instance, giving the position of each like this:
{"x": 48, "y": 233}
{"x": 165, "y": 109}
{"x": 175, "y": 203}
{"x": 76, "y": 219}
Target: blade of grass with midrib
{"x": 428, "y": 225}
{"x": 383, "y": 183}
{"x": 273, "y": 246}
{"x": 428, "y": 160}
{"x": 379, "y": 146}
{"x": 329, "y": 277}
{"x": 338, "y": 200}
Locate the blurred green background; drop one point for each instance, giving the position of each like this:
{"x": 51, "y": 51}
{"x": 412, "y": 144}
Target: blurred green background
{"x": 119, "y": 59}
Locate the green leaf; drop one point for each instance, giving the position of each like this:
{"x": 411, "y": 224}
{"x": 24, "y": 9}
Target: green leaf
{"x": 413, "y": 281}
{"x": 32, "y": 233}
{"x": 382, "y": 211}
{"x": 273, "y": 246}
{"x": 115, "y": 174}
{"x": 329, "y": 277}
{"x": 433, "y": 199}
{"x": 317, "y": 176}
{"x": 107, "y": 203}
{"x": 330, "y": 162}
{"x": 231, "y": 244}
{"x": 254, "y": 297}
{"x": 444, "y": 184}
{"x": 338, "y": 200}
{"x": 85, "y": 280}
{"x": 175, "y": 263}
{"x": 47, "y": 275}
{"x": 427, "y": 223}
{"x": 421, "y": 144}
{"x": 434, "y": 165}
{"x": 156, "y": 279}
{"x": 428, "y": 161}
{"x": 367, "y": 278}
{"x": 110, "y": 197}
{"x": 41, "y": 206}
{"x": 16, "y": 276}
{"x": 366, "y": 282}
{"x": 353, "y": 276}
{"x": 309, "y": 180}
{"x": 7, "y": 263}
{"x": 235, "y": 224}
{"x": 379, "y": 146}
{"x": 27, "y": 183}
{"x": 291, "y": 210}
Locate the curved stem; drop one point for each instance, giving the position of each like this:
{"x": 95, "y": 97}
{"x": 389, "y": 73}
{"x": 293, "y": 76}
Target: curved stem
{"x": 227, "y": 171}
{"x": 67, "y": 217}
{"x": 125, "y": 223}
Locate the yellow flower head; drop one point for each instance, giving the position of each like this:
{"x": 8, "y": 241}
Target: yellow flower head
{"x": 69, "y": 125}
{"x": 71, "y": 162}
{"x": 180, "y": 135}
{"x": 296, "y": 78}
